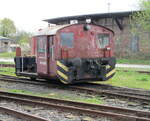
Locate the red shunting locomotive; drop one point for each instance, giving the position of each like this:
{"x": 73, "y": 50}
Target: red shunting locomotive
{"x": 71, "y": 53}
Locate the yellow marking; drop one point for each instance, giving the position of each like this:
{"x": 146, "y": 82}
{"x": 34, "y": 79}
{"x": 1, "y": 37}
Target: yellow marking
{"x": 62, "y": 75}
{"x": 95, "y": 82}
{"x": 62, "y": 66}
{"x": 63, "y": 81}
{"x": 108, "y": 66}
{"x": 110, "y": 73}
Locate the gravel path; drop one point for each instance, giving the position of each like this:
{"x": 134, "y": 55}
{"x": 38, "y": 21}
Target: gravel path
{"x": 6, "y": 60}
{"x": 133, "y": 66}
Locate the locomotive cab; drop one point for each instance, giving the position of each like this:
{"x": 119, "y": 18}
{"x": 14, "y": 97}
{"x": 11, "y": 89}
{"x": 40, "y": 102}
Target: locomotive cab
{"x": 71, "y": 53}
{"x": 86, "y": 54}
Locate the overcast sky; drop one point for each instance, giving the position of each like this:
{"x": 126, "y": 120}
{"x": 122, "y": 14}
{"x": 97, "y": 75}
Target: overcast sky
{"x": 28, "y": 14}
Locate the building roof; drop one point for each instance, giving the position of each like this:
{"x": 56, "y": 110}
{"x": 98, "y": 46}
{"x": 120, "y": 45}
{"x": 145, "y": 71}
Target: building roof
{"x": 90, "y": 16}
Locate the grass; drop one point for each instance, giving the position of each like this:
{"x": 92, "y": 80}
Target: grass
{"x": 130, "y": 79}
{"x": 7, "y": 71}
{"x": 7, "y": 55}
{"x": 133, "y": 61}
{"x": 7, "y": 62}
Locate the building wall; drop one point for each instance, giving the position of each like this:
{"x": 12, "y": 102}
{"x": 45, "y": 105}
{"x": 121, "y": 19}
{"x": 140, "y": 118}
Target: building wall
{"x": 144, "y": 43}
{"x": 5, "y": 46}
{"x": 127, "y": 43}
{"x": 121, "y": 39}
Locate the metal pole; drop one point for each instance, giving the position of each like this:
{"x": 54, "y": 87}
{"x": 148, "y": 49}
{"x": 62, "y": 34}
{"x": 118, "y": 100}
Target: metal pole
{"x": 22, "y": 64}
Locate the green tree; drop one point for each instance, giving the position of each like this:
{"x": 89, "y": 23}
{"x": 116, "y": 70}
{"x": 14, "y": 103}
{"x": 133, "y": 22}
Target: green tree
{"x": 22, "y": 37}
{"x": 141, "y": 20}
{"x": 140, "y": 28}
{"x": 7, "y": 27}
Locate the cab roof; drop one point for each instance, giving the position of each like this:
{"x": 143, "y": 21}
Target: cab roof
{"x": 53, "y": 29}
{"x": 50, "y": 30}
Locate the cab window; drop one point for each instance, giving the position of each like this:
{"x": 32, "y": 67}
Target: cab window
{"x": 67, "y": 39}
{"x": 102, "y": 40}
{"x": 41, "y": 41}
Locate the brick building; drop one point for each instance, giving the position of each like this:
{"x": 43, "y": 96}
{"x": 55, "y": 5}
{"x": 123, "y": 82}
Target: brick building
{"x": 126, "y": 42}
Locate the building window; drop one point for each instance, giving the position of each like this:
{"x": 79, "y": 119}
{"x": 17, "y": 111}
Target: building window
{"x": 67, "y": 39}
{"x": 6, "y": 43}
{"x": 41, "y": 41}
{"x": 102, "y": 40}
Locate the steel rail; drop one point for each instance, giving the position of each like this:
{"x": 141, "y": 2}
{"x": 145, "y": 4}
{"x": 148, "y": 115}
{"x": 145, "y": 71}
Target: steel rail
{"x": 92, "y": 85}
{"x": 122, "y": 90}
{"x": 20, "y": 114}
{"x": 79, "y": 107}
{"x": 135, "y": 91}
{"x": 20, "y": 78}
{"x": 110, "y": 92}
{"x": 7, "y": 65}
{"x": 17, "y": 80}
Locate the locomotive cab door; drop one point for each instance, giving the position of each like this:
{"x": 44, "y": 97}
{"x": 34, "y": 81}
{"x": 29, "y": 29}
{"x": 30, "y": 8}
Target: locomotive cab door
{"x": 51, "y": 58}
{"x": 42, "y": 55}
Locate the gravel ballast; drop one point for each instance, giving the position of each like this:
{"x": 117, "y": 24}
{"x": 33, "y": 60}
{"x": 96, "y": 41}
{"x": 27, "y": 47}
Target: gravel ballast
{"x": 68, "y": 94}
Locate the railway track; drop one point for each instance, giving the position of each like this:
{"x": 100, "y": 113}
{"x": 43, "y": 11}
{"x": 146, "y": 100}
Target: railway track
{"x": 19, "y": 114}
{"x": 22, "y": 80}
{"x": 7, "y": 65}
{"x": 111, "y": 93}
{"x": 119, "y": 114}
{"x": 98, "y": 89}
{"x": 122, "y": 90}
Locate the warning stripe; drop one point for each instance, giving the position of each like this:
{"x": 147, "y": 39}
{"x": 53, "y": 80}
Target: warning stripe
{"x": 64, "y": 82}
{"x": 108, "y": 66}
{"x": 62, "y": 79}
{"x": 110, "y": 73}
{"x": 62, "y": 75}
{"x": 62, "y": 66}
